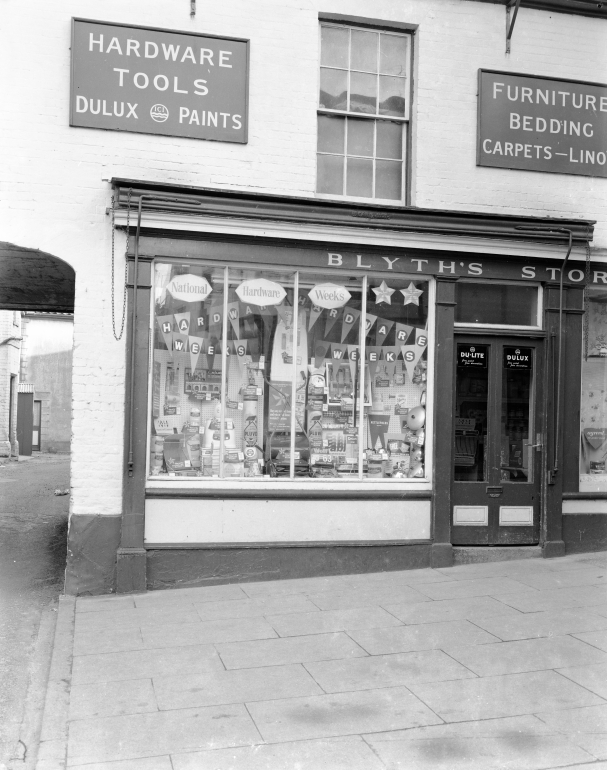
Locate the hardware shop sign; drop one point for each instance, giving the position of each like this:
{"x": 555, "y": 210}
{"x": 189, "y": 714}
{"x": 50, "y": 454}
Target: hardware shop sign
{"x": 539, "y": 124}
{"x": 155, "y": 81}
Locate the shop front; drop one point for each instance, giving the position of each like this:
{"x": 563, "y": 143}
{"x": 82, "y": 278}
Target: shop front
{"x": 320, "y": 388}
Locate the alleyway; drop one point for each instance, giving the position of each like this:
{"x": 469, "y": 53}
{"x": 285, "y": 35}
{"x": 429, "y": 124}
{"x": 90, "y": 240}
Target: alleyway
{"x": 33, "y": 525}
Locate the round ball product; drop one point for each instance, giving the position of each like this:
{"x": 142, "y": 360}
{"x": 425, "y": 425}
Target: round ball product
{"x": 416, "y": 417}
{"x": 417, "y": 455}
{"x": 416, "y": 471}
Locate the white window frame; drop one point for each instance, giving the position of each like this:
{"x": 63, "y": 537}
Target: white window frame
{"x": 405, "y": 121}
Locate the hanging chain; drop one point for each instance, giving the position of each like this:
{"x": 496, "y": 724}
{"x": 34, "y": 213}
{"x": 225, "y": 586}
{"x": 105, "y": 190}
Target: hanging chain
{"x": 587, "y": 301}
{"x": 118, "y": 336}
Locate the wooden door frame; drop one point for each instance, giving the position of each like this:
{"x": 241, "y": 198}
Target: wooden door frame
{"x": 497, "y": 340}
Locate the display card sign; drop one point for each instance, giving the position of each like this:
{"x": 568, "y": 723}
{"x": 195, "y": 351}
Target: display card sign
{"x": 540, "y": 124}
{"x": 155, "y": 81}
{"x": 261, "y": 292}
{"x": 517, "y": 358}
{"x": 189, "y": 288}
{"x": 329, "y": 295}
{"x": 472, "y": 355}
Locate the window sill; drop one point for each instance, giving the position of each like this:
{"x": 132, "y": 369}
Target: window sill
{"x": 299, "y": 488}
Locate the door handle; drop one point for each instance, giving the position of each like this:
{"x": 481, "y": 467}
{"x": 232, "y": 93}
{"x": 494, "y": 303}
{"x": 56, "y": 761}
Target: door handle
{"x": 539, "y": 442}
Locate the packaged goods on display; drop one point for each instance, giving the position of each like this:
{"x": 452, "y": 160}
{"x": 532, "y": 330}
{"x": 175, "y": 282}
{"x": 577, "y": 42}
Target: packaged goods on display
{"x": 288, "y": 389}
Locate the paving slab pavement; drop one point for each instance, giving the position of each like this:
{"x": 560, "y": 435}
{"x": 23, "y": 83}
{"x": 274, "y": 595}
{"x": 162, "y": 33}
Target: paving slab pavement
{"x": 474, "y": 667}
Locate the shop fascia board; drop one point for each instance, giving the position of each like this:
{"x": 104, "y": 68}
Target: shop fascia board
{"x": 163, "y": 221}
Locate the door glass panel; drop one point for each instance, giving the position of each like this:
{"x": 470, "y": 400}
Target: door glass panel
{"x": 471, "y": 413}
{"x": 516, "y": 415}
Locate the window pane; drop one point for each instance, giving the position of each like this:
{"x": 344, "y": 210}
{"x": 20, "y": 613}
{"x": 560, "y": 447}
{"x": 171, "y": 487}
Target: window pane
{"x": 389, "y": 140}
{"x": 187, "y": 368}
{"x": 392, "y": 95}
{"x": 471, "y": 413}
{"x": 593, "y": 450}
{"x": 388, "y": 179}
{"x": 334, "y": 383}
{"x": 363, "y": 93}
{"x": 333, "y": 89}
{"x": 330, "y": 174}
{"x": 359, "y": 178}
{"x": 516, "y": 423}
{"x": 334, "y": 47}
{"x": 396, "y": 359}
{"x": 331, "y": 134}
{"x": 360, "y": 137}
{"x": 484, "y": 303}
{"x": 259, "y": 393}
{"x": 393, "y": 55}
{"x": 363, "y": 54}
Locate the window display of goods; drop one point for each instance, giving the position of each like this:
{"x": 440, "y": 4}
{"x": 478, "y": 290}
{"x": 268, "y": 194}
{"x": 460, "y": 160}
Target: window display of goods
{"x": 288, "y": 375}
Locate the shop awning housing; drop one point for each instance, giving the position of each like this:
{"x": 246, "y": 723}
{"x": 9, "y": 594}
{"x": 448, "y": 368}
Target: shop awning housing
{"x": 34, "y": 280}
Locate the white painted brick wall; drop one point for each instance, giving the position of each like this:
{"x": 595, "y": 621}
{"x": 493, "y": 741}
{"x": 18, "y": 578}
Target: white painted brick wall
{"x": 54, "y": 197}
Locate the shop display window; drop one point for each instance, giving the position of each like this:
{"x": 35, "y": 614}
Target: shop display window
{"x": 284, "y": 374}
{"x": 593, "y": 449}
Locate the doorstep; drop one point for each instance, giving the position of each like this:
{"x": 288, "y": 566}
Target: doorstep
{"x": 483, "y": 554}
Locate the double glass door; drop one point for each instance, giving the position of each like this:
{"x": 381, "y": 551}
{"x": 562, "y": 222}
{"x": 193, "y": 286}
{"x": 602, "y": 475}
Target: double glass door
{"x": 497, "y": 441}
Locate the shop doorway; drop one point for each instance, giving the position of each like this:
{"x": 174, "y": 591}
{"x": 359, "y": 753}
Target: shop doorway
{"x": 498, "y": 441}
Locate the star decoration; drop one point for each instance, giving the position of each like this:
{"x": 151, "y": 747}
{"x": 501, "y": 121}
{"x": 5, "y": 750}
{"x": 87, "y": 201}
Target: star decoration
{"x": 383, "y": 293}
{"x": 411, "y": 294}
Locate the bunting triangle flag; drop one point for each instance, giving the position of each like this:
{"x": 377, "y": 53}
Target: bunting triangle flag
{"x": 234, "y": 316}
{"x": 211, "y": 349}
{"x": 165, "y": 322}
{"x": 331, "y": 320}
{"x": 373, "y": 353}
{"x": 369, "y": 321}
{"x": 350, "y": 318}
{"x": 315, "y": 312}
{"x": 240, "y": 350}
{"x": 180, "y": 343}
{"x": 382, "y": 329}
{"x": 353, "y": 358}
{"x": 390, "y": 354}
{"x": 401, "y": 333}
{"x": 286, "y": 315}
{"x": 196, "y": 344}
{"x": 320, "y": 353}
{"x": 200, "y": 324}
{"x": 183, "y": 322}
{"x": 338, "y": 352}
{"x": 216, "y": 316}
{"x": 421, "y": 338}
{"x": 411, "y": 355}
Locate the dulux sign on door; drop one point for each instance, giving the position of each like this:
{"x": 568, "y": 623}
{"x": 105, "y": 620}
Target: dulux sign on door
{"x": 156, "y": 81}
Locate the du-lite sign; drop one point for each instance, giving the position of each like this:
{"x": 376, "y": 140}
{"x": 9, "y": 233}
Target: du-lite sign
{"x": 539, "y": 124}
{"x": 155, "y": 81}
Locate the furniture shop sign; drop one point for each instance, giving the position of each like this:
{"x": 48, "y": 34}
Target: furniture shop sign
{"x": 539, "y": 124}
{"x": 155, "y": 81}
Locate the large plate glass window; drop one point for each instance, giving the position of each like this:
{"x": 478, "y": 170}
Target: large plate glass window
{"x": 593, "y": 449}
{"x": 363, "y": 112}
{"x": 284, "y": 374}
